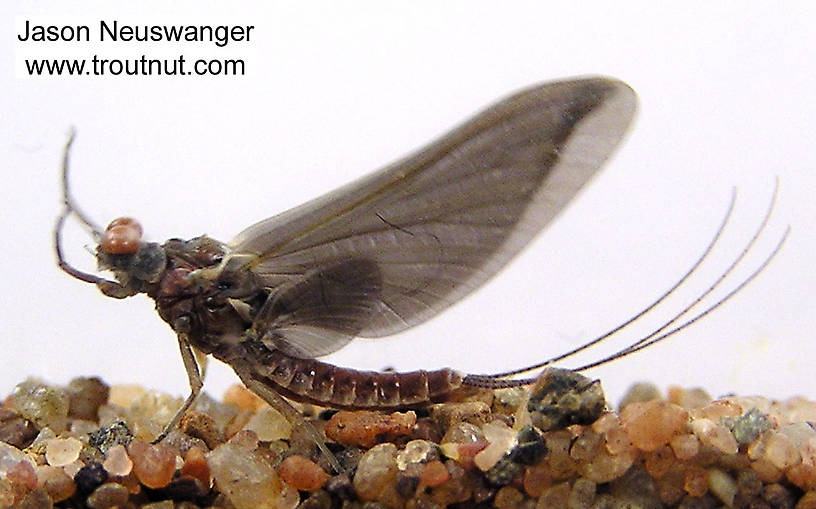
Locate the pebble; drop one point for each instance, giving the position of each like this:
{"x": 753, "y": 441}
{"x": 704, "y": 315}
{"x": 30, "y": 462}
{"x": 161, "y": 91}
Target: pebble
{"x": 153, "y": 464}
{"x": 500, "y": 439}
{"x": 561, "y": 397}
{"x": 715, "y": 435}
{"x": 117, "y": 462}
{"x": 302, "y": 473}
{"x": 376, "y": 475}
{"x": 434, "y": 473}
{"x": 149, "y": 413}
{"x": 605, "y": 467}
{"x": 89, "y": 477}
{"x": 222, "y": 413}
{"x": 508, "y": 401}
{"x": 195, "y": 466}
{"x": 22, "y": 475}
{"x": 243, "y": 398}
{"x": 688, "y": 398}
{"x": 553, "y": 496}
{"x": 35, "y": 499}
{"x": 508, "y": 497}
{"x": 748, "y": 426}
{"x": 108, "y": 496}
{"x": 116, "y": 433}
{"x": 10, "y": 456}
{"x": 85, "y": 396}
{"x": 366, "y": 428}
{"x": 658, "y": 462}
{"x": 723, "y": 486}
{"x": 202, "y": 426}
{"x": 695, "y": 480}
{"x": 247, "y": 479}
{"x": 640, "y": 392}
{"x": 716, "y": 411}
{"x": 269, "y": 425}
{"x": 450, "y": 414}
{"x": 62, "y": 451}
{"x": 685, "y": 446}
{"x": 44, "y": 405}
{"x": 164, "y": 504}
{"x": 417, "y": 451}
{"x": 582, "y": 493}
{"x": 55, "y": 482}
{"x": 779, "y": 450}
{"x": 536, "y": 479}
{"x": 652, "y": 424}
{"x": 16, "y": 430}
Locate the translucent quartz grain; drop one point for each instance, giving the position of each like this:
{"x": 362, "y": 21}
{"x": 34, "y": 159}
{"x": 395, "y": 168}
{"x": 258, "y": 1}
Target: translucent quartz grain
{"x": 302, "y": 473}
{"x": 416, "y": 451}
{"x": 247, "y": 479}
{"x": 500, "y": 438}
{"x": 780, "y": 451}
{"x": 40, "y": 403}
{"x": 376, "y": 473}
{"x": 605, "y": 467}
{"x": 685, "y": 446}
{"x": 658, "y": 462}
{"x": 154, "y": 465}
{"x": 125, "y": 395}
{"x": 195, "y": 466}
{"x": 62, "y": 451}
{"x": 723, "y": 486}
{"x": 695, "y": 480}
{"x": 434, "y": 473}
{"x": 715, "y": 435}
{"x": 688, "y": 398}
{"x": 55, "y": 482}
{"x": 652, "y": 424}
{"x": 117, "y": 462}
{"x": 22, "y": 475}
{"x": 269, "y": 425}
{"x": 243, "y": 398}
{"x": 10, "y": 456}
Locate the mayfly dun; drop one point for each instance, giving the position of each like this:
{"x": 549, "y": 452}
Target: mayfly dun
{"x": 379, "y": 255}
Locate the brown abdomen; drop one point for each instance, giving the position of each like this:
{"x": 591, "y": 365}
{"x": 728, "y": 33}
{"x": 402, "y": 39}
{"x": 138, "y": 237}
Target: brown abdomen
{"x": 312, "y": 381}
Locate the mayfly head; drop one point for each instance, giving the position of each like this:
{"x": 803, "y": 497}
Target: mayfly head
{"x": 134, "y": 262}
{"x": 120, "y": 248}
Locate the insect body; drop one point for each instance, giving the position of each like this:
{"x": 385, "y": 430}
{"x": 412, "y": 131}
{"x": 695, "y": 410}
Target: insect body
{"x": 373, "y": 258}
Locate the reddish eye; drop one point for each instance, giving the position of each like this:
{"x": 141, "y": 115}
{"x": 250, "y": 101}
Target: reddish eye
{"x": 122, "y": 236}
{"x": 126, "y": 221}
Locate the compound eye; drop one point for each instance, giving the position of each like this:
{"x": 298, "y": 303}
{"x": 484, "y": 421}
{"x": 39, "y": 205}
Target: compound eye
{"x": 122, "y": 236}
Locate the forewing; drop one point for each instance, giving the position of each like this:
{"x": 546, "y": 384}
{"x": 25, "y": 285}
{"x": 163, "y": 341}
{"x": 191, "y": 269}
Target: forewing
{"x": 440, "y": 222}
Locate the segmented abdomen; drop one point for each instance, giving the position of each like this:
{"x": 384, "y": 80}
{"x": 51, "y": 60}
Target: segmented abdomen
{"x": 312, "y": 381}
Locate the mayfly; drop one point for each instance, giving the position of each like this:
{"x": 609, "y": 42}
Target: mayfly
{"x": 377, "y": 256}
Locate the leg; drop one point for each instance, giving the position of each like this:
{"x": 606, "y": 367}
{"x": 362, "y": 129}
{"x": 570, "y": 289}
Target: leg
{"x": 289, "y": 412}
{"x": 194, "y": 377}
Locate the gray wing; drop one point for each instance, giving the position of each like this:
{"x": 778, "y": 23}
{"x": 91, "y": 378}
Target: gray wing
{"x": 440, "y": 222}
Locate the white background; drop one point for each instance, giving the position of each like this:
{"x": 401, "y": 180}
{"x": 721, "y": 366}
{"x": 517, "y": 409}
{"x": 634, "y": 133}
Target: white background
{"x": 334, "y": 90}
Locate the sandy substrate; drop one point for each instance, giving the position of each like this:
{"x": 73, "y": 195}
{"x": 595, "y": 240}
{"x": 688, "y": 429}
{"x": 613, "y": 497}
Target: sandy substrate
{"x": 89, "y": 445}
